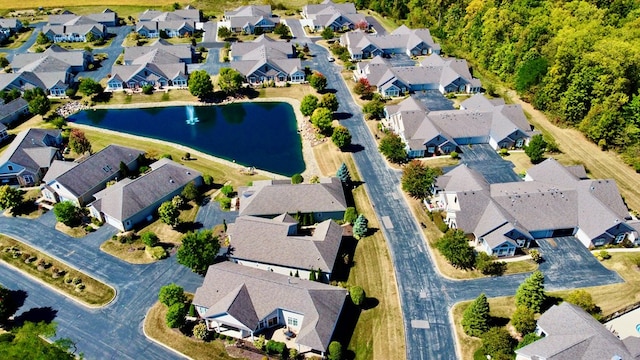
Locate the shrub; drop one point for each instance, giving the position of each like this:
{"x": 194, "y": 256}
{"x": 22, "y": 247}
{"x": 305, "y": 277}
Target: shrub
{"x": 488, "y": 266}
{"x": 503, "y": 152}
{"x": 523, "y": 320}
{"x": 176, "y": 315}
{"x": 76, "y": 281}
{"x": 297, "y": 179}
{"x": 171, "y": 294}
{"x": 357, "y": 295}
{"x": 89, "y": 228}
{"x": 192, "y": 310}
{"x": 350, "y": 215}
{"x": 604, "y": 255}
{"x": 177, "y": 201}
{"x": 454, "y": 155}
{"x": 149, "y": 238}
{"x": 207, "y": 179}
{"x": 276, "y": 347}
{"x": 156, "y": 252}
{"x": 335, "y": 351}
{"x": 535, "y": 255}
{"x": 200, "y": 331}
{"x": 259, "y": 342}
{"x": 225, "y": 203}
{"x": 227, "y": 190}
{"x": 147, "y": 89}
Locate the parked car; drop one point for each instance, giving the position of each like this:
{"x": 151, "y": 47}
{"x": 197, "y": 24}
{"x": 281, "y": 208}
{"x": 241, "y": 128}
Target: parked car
{"x": 331, "y": 59}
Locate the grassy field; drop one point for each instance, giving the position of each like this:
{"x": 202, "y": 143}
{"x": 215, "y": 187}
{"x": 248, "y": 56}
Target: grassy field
{"x": 95, "y": 292}
{"x": 22, "y": 38}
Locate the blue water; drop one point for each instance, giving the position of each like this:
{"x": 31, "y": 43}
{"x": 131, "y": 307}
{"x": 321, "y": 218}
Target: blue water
{"x": 263, "y": 135}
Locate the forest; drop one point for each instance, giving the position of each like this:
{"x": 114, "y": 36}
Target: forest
{"x": 579, "y": 61}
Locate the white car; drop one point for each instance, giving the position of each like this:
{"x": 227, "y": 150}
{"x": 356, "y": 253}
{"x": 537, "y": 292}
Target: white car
{"x": 331, "y": 59}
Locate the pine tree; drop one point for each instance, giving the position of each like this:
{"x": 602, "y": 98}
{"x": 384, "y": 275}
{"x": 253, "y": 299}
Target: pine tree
{"x": 297, "y": 274}
{"x": 531, "y": 292}
{"x": 312, "y": 275}
{"x": 475, "y": 319}
{"x": 343, "y": 173}
{"x": 360, "y": 227}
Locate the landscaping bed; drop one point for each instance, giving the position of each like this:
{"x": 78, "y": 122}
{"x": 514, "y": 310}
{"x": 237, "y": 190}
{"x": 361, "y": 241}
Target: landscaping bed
{"x": 70, "y": 281}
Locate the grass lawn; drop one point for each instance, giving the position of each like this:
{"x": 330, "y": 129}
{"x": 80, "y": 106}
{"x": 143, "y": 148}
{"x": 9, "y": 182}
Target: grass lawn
{"x": 157, "y": 97}
{"x": 22, "y": 38}
{"x": 379, "y": 332}
{"x": 95, "y": 292}
{"x": 76, "y": 232}
{"x": 295, "y": 91}
{"x": 132, "y": 253}
{"x": 155, "y": 327}
{"x": 28, "y": 209}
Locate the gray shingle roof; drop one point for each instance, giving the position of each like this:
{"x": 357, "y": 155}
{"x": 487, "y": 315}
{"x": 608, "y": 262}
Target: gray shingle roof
{"x": 160, "y": 49}
{"x": 276, "y": 241}
{"x": 32, "y": 149}
{"x": 573, "y": 334}
{"x": 251, "y": 295}
{"x": 249, "y": 10}
{"x": 12, "y": 106}
{"x": 267, "y": 197}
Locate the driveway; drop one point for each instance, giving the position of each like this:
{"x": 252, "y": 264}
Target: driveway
{"x": 299, "y": 36}
{"x": 400, "y": 60}
{"x": 27, "y": 44}
{"x": 434, "y": 100}
{"x": 375, "y": 24}
{"x": 112, "y": 51}
{"x": 212, "y": 64}
{"x": 210, "y": 37}
{"x": 486, "y": 160}
{"x": 211, "y": 215}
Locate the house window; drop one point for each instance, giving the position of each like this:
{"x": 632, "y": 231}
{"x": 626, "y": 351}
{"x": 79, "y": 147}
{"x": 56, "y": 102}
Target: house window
{"x": 10, "y": 167}
{"x": 620, "y": 238}
{"x": 519, "y": 143}
{"x": 292, "y": 321}
{"x": 28, "y": 179}
{"x": 598, "y": 242}
{"x": 273, "y": 321}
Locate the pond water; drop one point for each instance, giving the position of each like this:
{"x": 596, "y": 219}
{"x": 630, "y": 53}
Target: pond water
{"x": 262, "y": 134}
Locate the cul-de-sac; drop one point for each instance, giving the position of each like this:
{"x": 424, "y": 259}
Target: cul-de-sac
{"x": 320, "y": 179}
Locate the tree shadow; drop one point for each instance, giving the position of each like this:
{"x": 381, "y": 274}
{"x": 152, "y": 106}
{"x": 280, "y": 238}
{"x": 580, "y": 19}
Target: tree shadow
{"x": 249, "y": 92}
{"x": 17, "y": 299}
{"x": 354, "y": 148}
{"x": 342, "y": 115}
{"x": 344, "y": 261}
{"x": 327, "y": 91}
{"x": 25, "y": 207}
{"x": 187, "y": 226}
{"x": 549, "y": 301}
{"x": 346, "y": 325}
{"x": 369, "y": 303}
{"x": 36, "y": 315}
{"x": 498, "y": 321}
{"x": 103, "y": 97}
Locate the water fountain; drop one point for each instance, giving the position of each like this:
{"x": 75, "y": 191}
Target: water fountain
{"x": 191, "y": 118}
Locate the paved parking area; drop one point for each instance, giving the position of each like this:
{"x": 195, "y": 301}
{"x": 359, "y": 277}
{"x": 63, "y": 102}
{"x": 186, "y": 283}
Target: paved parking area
{"x": 434, "y": 100}
{"x": 484, "y": 159}
{"x": 401, "y": 60}
{"x": 375, "y": 24}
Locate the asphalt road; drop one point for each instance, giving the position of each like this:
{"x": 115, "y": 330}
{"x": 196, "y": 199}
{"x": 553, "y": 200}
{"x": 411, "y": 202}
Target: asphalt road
{"x": 113, "y": 51}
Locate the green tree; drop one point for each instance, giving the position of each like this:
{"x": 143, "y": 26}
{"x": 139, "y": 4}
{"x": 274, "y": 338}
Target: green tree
{"x": 523, "y": 320}
{"x": 6, "y": 304}
{"x": 322, "y": 119}
{"x": 149, "y": 239}
{"x": 39, "y": 105}
{"x": 312, "y": 275}
{"x": 335, "y": 351}
{"x": 169, "y": 214}
{"x": 343, "y": 174}
{"x": 171, "y": 294}
{"x": 227, "y": 190}
{"x": 42, "y": 39}
{"x": 230, "y": 80}
{"x": 282, "y": 30}
{"x": 10, "y": 197}
{"x": 297, "y": 179}
{"x": 224, "y": 32}
{"x": 198, "y": 250}
{"x": 327, "y": 33}
{"x": 318, "y": 81}
{"x": 90, "y": 37}
{"x": 78, "y": 142}
{"x": 26, "y": 342}
{"x": 200, "y": 84}
{"x": 535, "y": 149}
{"x": 530, "y": 338}
{"x": 67, "y": 213}
{"x": 583, "y": 299}
{"x": 360, "y": 227}
{"x": 373, "y": 109}
{"x": 341, "y": 137}
{"x": 329, "y": 101}
{"x": 190, "y": 191}
{"x": 392, "y": 147}
{"x": 200, "y": 331}
{"x": 489, "y": 266}
{"x": 498, "y": 343}
{"x": 350, "y": 215}
{"x": 176, "y": 314}
{"x": 531, "y": 293}
{"x": 90, "y": 87}
{"x": 308, "y": 105}
{"x": 357, "y": 295}
{"x": 454, "y": 246}
{"x": 475, "y": 319}
{"x": 4, "y": 62}
{"x": 418, "y": 179}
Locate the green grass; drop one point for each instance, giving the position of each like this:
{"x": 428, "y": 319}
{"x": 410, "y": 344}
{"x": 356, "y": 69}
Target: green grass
{"x": 22, "y": 38}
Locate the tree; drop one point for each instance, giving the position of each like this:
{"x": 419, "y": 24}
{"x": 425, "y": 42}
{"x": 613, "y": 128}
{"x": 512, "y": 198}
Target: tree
{"x": 198, "y": 250}
{"x": 200, "y": 84}
{"x": 531, "y": 292}
{"x": 79, "y": 142}
{"x": 176, "y": 315}
{"x": 454, "y": 246}
{"x": 26, "y": 342}
{"x": 39, "y": 105}
{"x": 363, "y": 88}
{"x": 335, "y": 351}
{"x": 357, "y": 295}
{"x": 341, "y": 137}
{"x": 322, "y": 119}
{"x": 392, "y": 147}
{"x": 535, "y": 149}
{"x": 417, "y": 179}
{"x": 327, "y": 33}
{"x": 583, "y": 299}
{"x": 498, "y": 343}
{"x": 200, "y": 331}
{"x": 329, "y": 101}
{"x": 7, "y": 306}
{"x": 308, "y": 105}
{"x": 227, "y": 190}
{"x": 297, "y": 179}
{"x": 149, "y": 239}
{"x": 90, "y": 87}
{"x": 475, "y": 319}
{"x": 91, "y": 37}
{"x": 318, "y": 81}
{"x": 535, "y": 255}
{"x": 374, "y": 109}
{"x": 169, "y": 213}
{"x": 190, "y": 191}
{"x": 124, "y": 170}
{"x": 224, "y": 32}
{"x": 282, "y": 30}
{"x": 523, "y": 320}
{"x": 488, "y": 266}
{"x": 343, "y": 174}
{"x": 171, "y": 294}
{"x": 67, "y": 213}
{"x": 350, "y": 215}
{"x": 10, "y": 197}
{"x": 360, "y": 227}
{"x": 230, "y": 80}
{"x": 528, "y": 339}
{"x": 42, "y": 39}
{"x": 312, "y": 275}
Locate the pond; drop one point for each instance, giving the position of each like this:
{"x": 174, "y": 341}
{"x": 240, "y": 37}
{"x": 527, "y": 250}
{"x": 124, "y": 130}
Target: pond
{"x": 262, "y": 134}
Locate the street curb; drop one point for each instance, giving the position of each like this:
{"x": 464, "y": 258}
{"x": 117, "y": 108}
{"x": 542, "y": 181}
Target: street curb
{"x": 157, "y": 341}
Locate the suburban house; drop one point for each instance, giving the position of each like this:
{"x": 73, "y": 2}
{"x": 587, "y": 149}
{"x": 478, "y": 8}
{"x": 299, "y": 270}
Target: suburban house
{"x": 29, "y": 156}
{"x": 177, "y": 23}
{"x": 12, "y": 111}
{"x": 3, "y": 132}
{"x": 338, "y": 17}
{"x": 264, "y": 60}
{"x": 53, "y": 70}
{"x": 434, "y": 73}
{"x": 570, "y": 333}
{"x": 553, "y": 201}
{"x": 251, "y": 19}
{"x": 279, "y": 245}
{"x": 129, "y": 202}
{"x": 8, "y": 27}
{"x": 78, "y": 181}
{"x": 250, "y": 301}
{"x": 412, "y": 42}
{"x": 69, "y": 27}
{"x": 161, "y": 65}
{"x": 270, "y": 198}
{"x": 428, "y": 133}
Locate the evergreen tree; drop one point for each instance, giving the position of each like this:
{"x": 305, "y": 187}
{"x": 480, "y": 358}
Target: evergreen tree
{"x": 343, "y": 174}
{"x": 475, "y": 319}
{"x": 360, "y": 227}
{"x": 312, "y": 275}
{"x": 531, "y": 294}
{"x": 523, "y": 320}
{"x": 297, "y": 274}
